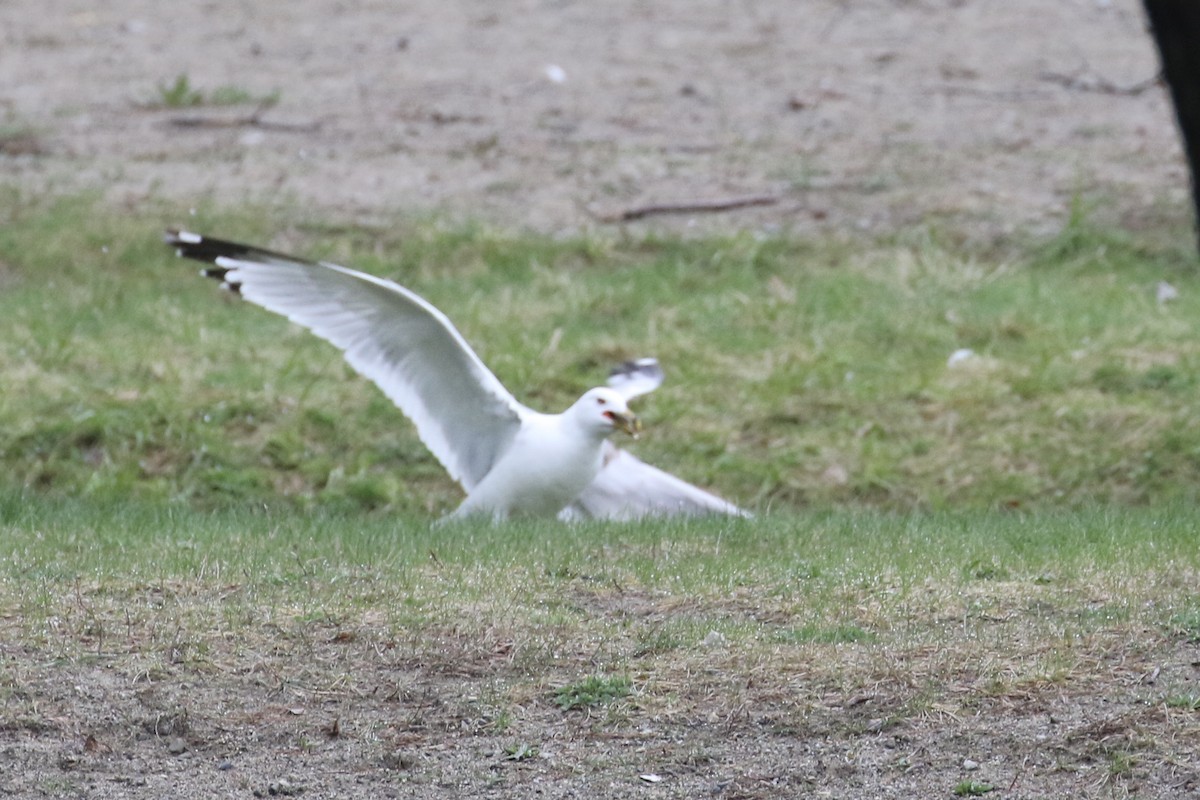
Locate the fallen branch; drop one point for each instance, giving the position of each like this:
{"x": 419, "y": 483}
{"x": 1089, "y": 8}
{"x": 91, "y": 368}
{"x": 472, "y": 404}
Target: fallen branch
{"x": 688, "y": 207}
{"x": 1093, "y": 83}
{"x": 254, "y": 120}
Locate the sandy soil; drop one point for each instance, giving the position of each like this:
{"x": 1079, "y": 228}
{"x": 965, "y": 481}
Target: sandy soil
{"x": 987, "y": 117}
{"x": 856, "y": 116}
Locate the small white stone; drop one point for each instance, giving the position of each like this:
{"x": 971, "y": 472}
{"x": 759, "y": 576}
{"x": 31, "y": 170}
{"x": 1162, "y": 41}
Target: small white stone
{"x": 1166, "y": 292}
{"x": 960, "y": 356}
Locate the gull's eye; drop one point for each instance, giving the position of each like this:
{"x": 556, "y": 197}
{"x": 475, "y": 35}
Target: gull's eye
{"x": 601, "y": 401}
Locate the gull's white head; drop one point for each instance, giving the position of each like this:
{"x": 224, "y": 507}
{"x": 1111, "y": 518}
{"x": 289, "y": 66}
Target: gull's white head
{"x": 603, "y": 410}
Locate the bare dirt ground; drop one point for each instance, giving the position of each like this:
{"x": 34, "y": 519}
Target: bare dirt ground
{"x": 162, "y": 691}
{"x": 857, "y": 116}
{"x": 985, "y": 117}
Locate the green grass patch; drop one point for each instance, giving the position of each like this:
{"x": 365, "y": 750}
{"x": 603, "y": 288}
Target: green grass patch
{"x": 520, "y": 751}
{"x": 1186, "y": 623}
{"x": 181, "y": 93}
{"x": 644, "y": 591}
{"x": 779, "y": 615}
{"x": 594, "y": 690}
{"x": 1188, "y": 702}
{"x": 1121, "y": 764}
{"x": 799, "y": 372}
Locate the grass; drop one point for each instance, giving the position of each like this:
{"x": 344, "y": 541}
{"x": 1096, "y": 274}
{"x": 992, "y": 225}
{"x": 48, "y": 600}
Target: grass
{"x": 1188, "y": 702}
{"x": 839, "y": 625}
{"x": 799, "y": 584}
{"x": 181, "y": 93}
{"x": 594, "y": 690}
{"x": 800, "y": 373}
{"x": 193, "y": 491}
{"x": 520, "y": 751}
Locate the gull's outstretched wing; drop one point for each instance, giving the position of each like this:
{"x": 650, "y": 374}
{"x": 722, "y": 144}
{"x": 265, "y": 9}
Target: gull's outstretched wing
{"x": 412, "y": 351}
{"x": 635, "y": 378}
{"x": 629, "y": 488}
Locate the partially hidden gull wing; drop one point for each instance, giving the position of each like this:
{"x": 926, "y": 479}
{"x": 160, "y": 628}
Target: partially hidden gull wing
{"x": 398, "y": 340}
{"x": 629, "y": 488}
{"x": 636, "y": 378}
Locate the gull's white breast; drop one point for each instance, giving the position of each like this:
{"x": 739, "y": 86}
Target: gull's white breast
{"x": 550, "y": 461}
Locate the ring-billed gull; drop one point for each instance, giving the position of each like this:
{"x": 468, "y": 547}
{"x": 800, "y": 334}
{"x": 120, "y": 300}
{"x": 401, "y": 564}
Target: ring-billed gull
{"x": 510, "y": 459}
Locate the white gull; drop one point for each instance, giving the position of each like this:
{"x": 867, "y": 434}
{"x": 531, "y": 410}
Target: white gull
{"x": 511, "y": 460}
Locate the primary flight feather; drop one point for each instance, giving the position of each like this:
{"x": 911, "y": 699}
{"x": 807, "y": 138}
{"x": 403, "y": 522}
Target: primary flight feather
{"x": 510, "y": 459}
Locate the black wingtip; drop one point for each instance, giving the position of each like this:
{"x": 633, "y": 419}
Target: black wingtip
{"x": 198, "y": 247}
{"x": 222, "y": 274}
{"x": 203, "y": 248}
{"x": 210, "y": 251}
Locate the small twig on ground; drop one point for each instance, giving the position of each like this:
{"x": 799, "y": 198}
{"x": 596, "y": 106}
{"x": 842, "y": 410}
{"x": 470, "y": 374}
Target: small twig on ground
{"x": 253, "y": 120}
{"x": 688, "y": 207}
{"x": 1020, "y": 772}
{"x": 1094, "y": 83}
{"x": 1004, "y": 95}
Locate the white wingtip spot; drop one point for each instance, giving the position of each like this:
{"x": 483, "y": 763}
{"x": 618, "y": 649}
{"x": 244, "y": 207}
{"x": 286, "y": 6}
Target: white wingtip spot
{"x": 187, "y": 237}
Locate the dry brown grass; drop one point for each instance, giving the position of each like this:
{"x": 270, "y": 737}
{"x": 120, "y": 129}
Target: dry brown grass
{"x": 1051, "y": 687}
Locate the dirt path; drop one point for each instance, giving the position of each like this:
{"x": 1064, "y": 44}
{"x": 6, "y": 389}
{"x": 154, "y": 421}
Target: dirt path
{"x": 857, "y": 116}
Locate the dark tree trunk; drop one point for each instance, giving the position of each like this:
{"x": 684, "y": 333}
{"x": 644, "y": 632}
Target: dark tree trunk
{"x": 1176, "y": 27}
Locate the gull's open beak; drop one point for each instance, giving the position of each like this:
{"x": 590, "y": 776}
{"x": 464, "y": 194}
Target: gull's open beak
{"x": 628, "y": 422}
